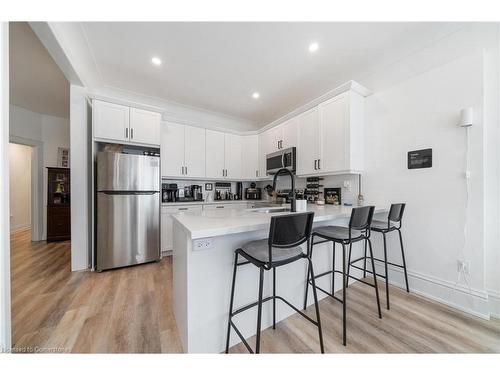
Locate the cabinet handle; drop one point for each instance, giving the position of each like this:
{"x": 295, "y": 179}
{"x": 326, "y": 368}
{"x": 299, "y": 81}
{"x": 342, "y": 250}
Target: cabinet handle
{"x": 131, "y": 133}
{"x": 319, "y": 165}
{"x": 219, "y": 206}
{"x": 182, "y": 209}
{"x": 186, "y": 168}
{"x": 256, "y": 173}
{"x": 315, "y": 164}
{"x": 182, "y": 169}
{"x": 126, "y": 132}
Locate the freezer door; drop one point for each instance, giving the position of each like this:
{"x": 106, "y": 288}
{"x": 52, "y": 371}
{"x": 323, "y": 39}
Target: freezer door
{"x": 128, "y": 229}
{"x": 125, "y": 172}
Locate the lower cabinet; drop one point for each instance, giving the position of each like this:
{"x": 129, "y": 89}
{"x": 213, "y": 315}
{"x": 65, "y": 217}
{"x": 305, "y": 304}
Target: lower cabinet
{"x": 167, "y": 237}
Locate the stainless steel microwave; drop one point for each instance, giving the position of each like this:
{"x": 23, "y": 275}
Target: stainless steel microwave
{"x": 281, "y": 159}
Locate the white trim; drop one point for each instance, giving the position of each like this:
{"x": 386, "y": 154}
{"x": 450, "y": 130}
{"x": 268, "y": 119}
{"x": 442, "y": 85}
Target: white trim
{"x": 5, "y": 318}
{"x": 494, "y": 298}
{"x": 348, "y": 86}
{"x": 37, "y": 181}
{"x": 473, "y": 301}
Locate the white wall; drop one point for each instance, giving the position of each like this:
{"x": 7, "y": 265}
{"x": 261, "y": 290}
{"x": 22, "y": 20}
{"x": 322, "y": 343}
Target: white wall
{"x": 20, "y": 186}
{"x": 52, "y": 131}
{"x": 423, "y": 112}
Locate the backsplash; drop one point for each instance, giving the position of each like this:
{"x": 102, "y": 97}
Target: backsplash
{"x": 349, "y": 196}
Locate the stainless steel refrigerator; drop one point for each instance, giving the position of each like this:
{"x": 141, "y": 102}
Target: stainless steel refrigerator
{"x": 128, "y": 210}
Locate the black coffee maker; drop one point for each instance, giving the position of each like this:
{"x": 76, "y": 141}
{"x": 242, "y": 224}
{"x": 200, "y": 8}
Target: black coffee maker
{"x": 196, "y": 192}
{"x": 169, "y": 193}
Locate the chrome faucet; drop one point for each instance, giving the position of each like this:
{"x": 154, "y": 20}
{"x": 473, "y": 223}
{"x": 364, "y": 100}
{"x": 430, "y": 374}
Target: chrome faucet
{"x": 292, "y": 178}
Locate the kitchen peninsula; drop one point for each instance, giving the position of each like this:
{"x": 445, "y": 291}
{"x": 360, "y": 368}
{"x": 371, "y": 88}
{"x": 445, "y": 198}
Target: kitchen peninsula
{"x": 203, "y": 256}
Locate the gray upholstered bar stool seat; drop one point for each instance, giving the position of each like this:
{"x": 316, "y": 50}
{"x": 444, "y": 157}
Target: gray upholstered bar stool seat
{"x": 286, "y": 234}
{"x": 358, "y": 230}
{"x": 259, "y": 250}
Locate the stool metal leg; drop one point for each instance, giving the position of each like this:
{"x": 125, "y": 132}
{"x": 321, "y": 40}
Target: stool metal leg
{"x": 375, "y": 278}
{"x": 231, "y": 302}
{"x": 364, "y": 263}
{"x": 386, "y": 272}
{"x": 274, "y": 297}
{"x": 316, "y": 305}
{"x": 344, "y": 299}
{"x": 349, "y": 265}
{"x": 259, "y": 311}
{"x": 310, "y": 245}
{"x": 333, "y": 267}
{"x": 404, "y": 261}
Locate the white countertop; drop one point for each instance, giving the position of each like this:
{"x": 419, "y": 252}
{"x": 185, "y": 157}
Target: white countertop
{"x": 211, "y": 223}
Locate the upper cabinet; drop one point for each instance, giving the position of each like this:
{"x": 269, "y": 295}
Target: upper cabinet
{"x": 182, "y": 151}
{"x": 122, "y": 124}
{"x": 111, "y": 121}
{"x": 223, "y": 155}
{"x": 144, "y": 126}
{"x": 331, "y": 136}
{"x": 250, "y": 157}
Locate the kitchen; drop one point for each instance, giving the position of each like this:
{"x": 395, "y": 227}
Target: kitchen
{"x": 379, "y": 163}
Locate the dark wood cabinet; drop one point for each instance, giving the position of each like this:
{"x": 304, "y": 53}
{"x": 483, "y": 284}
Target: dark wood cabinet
{"x": 58, "y": 204}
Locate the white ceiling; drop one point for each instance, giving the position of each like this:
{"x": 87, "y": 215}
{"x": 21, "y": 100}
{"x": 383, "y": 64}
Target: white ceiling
{"x": 36, "y": 82}
{"x": 217, "y": 66}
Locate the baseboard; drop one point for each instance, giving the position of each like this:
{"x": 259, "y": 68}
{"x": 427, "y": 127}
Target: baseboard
{"x": 475, "y": 302}
{"x": 494, "y": 298}
{"x": 166, "y": 253}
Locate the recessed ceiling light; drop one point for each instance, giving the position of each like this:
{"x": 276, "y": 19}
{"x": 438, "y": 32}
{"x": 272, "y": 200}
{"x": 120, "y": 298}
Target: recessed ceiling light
{"x": 156, "y": 61}
{"x": 256, "y": 95}
{"x": 313, "y": 47}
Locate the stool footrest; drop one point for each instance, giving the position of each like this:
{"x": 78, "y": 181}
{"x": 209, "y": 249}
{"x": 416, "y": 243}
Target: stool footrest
{"x": 368, "y": 271}
{"x": 328, "y": 293}
{"x": 377, "y": 259}
{"x": 246, "y": 307}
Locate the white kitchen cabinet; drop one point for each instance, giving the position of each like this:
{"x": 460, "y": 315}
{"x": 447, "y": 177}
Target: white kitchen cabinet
{"x": 166, "y": 235}
{"x": 182, "y": 151}
{"x": 289, "y": 133}
{"x": 172, "y": 150}
{"x": 214, "y": 154}
{"x": 232, "y": 156}
{"x": 194, "y": 151}
{"x": 342, "y": 134}
{"x": 250, "y": 157}
{"x": 331, "y": 137}
{"x": 308, "y": 150}
{"x": 111, "y": 121}
{"x": 144, "y": 126}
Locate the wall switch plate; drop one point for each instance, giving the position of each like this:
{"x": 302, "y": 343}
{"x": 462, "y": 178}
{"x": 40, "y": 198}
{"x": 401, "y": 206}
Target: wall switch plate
{"x": 463, "y": 266}
{"x": 203, "y": 244}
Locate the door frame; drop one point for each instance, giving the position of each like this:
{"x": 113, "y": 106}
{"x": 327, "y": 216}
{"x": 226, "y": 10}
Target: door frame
{"x": 5, "y": 315}
{"x": 37, "y": 191}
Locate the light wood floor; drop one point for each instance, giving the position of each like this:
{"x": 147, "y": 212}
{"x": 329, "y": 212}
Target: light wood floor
{"x": 129, "y": 310}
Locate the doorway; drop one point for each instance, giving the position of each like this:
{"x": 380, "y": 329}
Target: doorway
{"x": 20, "y": 187}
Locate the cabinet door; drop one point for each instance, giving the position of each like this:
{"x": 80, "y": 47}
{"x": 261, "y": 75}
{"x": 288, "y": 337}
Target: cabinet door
{"x": 232, "y": 156}
{"x": 194, "y": 151}
{"x": 172, "y": 150}
{"x": 334, "y": 134}
{"x": 144, "y": 126}
{"x": 308, "y": 142}
{"x": 166, "y": 237}
{"x": 214, "y": 154}
{"x": 289, "y": 133}
{"x": 111, "y": 121}
{"x": 274, "y": 139}
{"x": 262, "y": 155}
{"x": 250, "y": 157}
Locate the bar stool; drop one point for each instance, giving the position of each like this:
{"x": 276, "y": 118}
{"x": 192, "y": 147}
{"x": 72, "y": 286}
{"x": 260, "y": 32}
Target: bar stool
{"x": 286, "y": 234}
{"x": 358, "y": 230}
{"x": 393, "y": 223}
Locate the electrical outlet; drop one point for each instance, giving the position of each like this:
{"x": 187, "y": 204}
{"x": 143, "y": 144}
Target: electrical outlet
{"x": 203, "y": 244}
{"x": 463, "y": 266}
